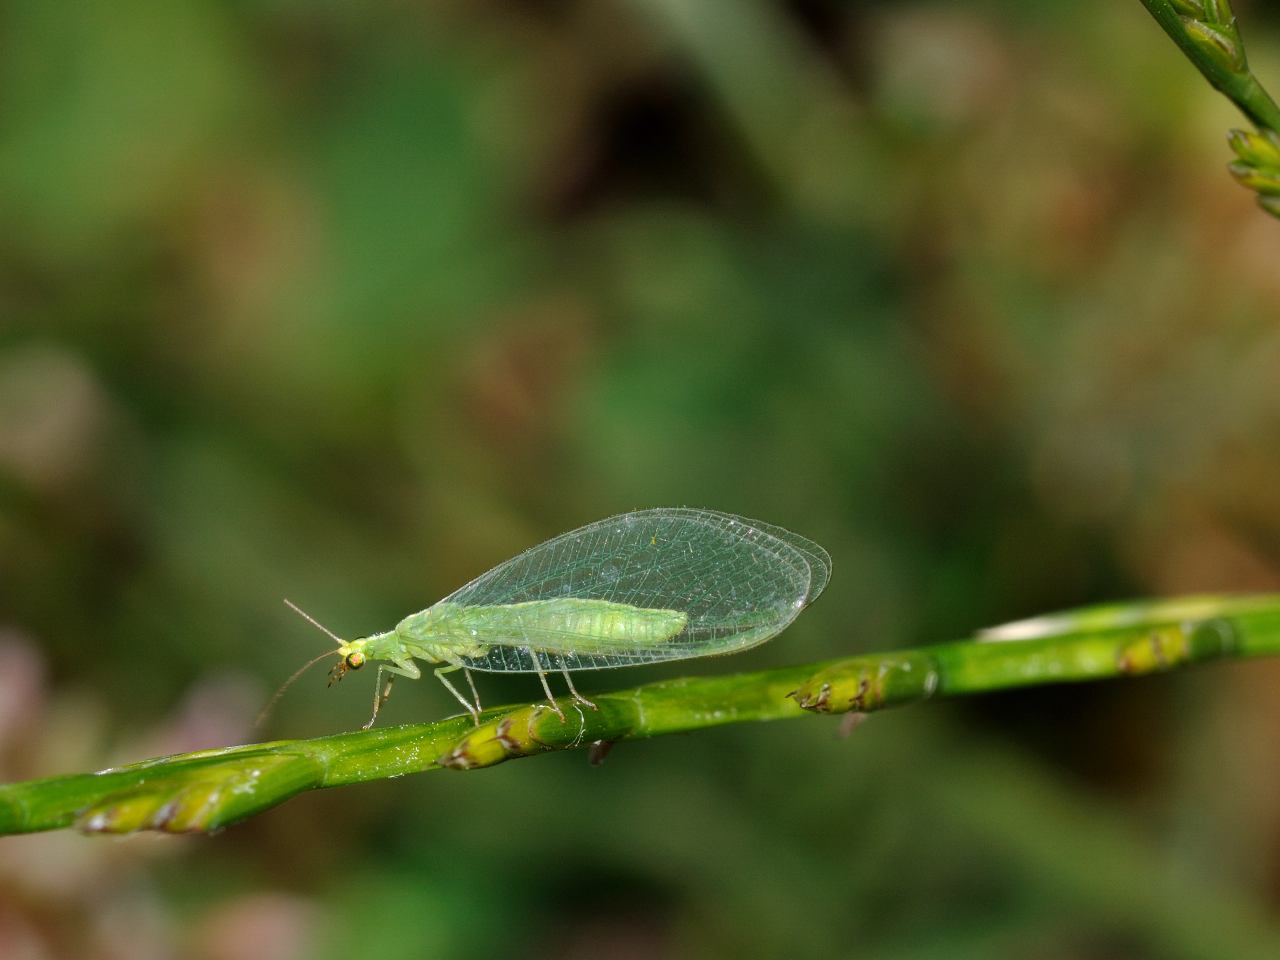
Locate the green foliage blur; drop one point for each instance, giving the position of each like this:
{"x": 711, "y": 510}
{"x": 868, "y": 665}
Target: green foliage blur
{"x": 349, "y": 302}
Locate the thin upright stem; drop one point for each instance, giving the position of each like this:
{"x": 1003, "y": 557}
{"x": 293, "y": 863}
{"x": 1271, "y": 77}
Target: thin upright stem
{"x": 1206, "y": 32}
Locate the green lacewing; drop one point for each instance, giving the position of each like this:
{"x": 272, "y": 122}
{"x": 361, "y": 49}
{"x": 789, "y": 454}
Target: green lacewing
{"x": 670, "y": 583}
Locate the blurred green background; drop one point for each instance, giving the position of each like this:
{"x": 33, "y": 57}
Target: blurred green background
{"x": 349, "y": 302}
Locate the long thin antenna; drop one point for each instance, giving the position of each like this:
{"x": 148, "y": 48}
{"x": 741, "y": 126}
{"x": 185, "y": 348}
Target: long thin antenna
{"x": 312, "y": 620}
{"x": 266, "y": 711}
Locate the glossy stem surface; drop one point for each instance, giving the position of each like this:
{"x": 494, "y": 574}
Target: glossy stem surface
{"x": 208, "y": 790}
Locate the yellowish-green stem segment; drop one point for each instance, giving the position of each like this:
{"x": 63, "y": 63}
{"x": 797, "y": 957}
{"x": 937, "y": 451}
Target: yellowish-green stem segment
{"x": 206, "y": 791}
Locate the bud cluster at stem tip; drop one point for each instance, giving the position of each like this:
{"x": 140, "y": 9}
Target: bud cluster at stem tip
{"x": 1210, "y": 11}
{"x": 1258, "y": 165}
{"x": 1210, "y": 27}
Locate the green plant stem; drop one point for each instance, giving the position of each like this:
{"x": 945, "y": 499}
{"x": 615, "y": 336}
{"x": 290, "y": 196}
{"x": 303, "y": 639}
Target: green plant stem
{"x": 1205, "y": 31}
{"x": 208, "y": 790}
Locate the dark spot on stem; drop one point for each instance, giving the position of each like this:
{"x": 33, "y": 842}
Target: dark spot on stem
{"x": 859, "y": 701}
{"x": 503, "y": 735}
{"x": 824, "y": 695}
{"x": 850, "y": 722}
{"x": 598, "y": 750}
{"x": 1157, "y": 649}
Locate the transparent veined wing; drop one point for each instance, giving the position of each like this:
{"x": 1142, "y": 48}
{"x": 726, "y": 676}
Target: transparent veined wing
{"x": 818, "y": 558}
{"x": 721, "y": 583}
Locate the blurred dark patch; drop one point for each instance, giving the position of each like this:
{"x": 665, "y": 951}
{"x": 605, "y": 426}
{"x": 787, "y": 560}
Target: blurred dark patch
{"x": 834, "y": 28}
{"x": 1076, "y": 944}
{"x": 1113, "y": 737}
{"x": 655, "y": 138}
{"x": 616, "y": 914}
